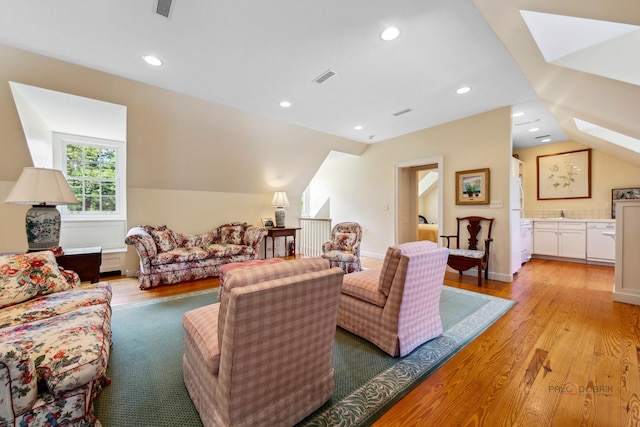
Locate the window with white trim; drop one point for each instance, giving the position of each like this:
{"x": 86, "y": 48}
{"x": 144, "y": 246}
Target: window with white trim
{"x": 94, "y": 169}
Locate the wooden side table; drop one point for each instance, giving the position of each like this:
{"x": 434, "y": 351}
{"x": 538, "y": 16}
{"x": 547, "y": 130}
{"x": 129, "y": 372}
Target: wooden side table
{"x": 84, "y": 261}
{"x": 285, "y": 232}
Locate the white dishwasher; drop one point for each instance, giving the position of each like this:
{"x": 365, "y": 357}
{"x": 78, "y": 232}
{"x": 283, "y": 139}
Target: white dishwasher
{"x": 601, "y": 242}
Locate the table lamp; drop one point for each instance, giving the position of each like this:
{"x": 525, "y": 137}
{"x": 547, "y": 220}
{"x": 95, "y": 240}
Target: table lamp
{"x": 279, "y": 202}
{"x": 43, "y": 189}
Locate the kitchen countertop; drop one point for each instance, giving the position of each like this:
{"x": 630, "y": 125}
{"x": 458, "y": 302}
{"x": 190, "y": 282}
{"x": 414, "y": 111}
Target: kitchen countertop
{"x": 571, "y": 220}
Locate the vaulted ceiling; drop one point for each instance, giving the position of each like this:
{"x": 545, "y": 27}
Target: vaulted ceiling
{"x": 253, "y": 55}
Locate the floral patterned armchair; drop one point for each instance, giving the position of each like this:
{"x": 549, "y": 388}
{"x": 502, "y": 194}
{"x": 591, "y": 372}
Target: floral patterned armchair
{"x": 343, "y": 250}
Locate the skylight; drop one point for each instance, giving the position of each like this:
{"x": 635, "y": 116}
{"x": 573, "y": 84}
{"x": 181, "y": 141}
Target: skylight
{"x": 607, "y": 49}
{"x": 608, "y": 135}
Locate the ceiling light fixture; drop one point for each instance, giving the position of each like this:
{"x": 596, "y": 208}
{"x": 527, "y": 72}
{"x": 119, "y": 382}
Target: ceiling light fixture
{"x": 463, "y": 90}
{"x": 152, "y": 60}
{"x": 359, "y": 127}
{"x": 285, "y": 104}
{"x": 546, "y": 140}
{"x": 389, "y": 34}
{"x": 534, "y": 129}
{"x": 518, "y": 114}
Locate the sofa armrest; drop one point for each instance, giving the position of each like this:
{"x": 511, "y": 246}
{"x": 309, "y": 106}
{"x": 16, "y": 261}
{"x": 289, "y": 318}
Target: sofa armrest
{"x": 253, "y": 235}
{"x": 18, "y": 382}
{"x": 144, "y": 244}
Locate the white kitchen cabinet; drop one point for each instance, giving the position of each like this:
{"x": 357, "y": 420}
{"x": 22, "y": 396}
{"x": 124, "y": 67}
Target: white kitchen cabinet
{"x": 565, "y": 238}
{"x": 572, "y": 240}
{"x": 627, "y": 270}
{"x": 545, "y": 238}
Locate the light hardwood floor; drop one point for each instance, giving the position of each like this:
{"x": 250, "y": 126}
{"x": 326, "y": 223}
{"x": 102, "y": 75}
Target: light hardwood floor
{"x": 564, "y": 355}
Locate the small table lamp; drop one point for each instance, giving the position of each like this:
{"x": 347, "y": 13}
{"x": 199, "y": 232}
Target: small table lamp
{"x": 43, "y": 189}
{"x": 279, "y": 202}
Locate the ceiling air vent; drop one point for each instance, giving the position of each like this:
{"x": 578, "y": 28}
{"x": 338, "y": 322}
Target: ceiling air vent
{"x": 163, "y": 7}
{"x": 543, "y": 136}
{"x": 324, "y": 76}
{"x": 405, "y": 111}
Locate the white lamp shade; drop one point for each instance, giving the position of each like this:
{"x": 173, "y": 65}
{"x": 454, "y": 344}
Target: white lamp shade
{"x": 40, "y": 186}
{"x": 280, "y": 200}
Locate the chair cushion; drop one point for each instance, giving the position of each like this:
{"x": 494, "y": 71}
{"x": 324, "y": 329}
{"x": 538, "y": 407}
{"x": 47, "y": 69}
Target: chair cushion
{"x": 263, "y": 273}
{"x": 201, "y": 326}
{"x": 344, "y": 241}
{"x": 363, "y": 285}
{"x": 467, "y": 253}
{"x": 342, "y": 256}
{"x": 392, "y": 258}
{"x": 28, "y": 275}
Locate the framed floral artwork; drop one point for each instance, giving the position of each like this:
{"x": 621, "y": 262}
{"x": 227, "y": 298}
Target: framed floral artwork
{"x": 564, "y": 175}
{"x": 472, "y": 187}
{"x": 622, "y": 194}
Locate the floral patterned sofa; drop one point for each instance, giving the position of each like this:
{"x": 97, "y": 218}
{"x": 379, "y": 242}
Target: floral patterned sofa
{"x": 167, "y": 256}
{"x": 55, "y": 339}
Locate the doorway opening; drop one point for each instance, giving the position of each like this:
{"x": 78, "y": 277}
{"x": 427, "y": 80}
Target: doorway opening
{"x": 419, "y": 194}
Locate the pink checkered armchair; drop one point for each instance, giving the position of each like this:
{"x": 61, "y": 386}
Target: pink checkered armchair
{"x": 263, "y": 355}
{"x": 343, "y": 250}
{"x": 396, "y": 308}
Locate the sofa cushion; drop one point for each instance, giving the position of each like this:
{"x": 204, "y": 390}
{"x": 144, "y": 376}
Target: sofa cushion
{"x": 46, "y": 306}
{"x": 344, "y": 241}
{"x": 18, "y": 377}
{"x": 232, "y": 233}
{"x": 28, "y": 275}
{"x": 180, "y": 255}
{"x": 163, "y": 238}
{"x": 229, "y": 250}
{"x": 70, "y": 349}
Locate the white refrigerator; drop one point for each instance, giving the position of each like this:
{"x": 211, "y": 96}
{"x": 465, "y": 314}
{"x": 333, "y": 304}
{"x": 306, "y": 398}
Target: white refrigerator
{"x": 516, "y": 206}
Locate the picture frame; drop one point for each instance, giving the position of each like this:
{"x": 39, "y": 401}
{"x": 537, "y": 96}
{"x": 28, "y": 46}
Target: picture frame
{"x": 267, "y": 222}
{"x": 564, "y": 175}
{"x": 622, "y": 194}
{"x": 472, "y": 187}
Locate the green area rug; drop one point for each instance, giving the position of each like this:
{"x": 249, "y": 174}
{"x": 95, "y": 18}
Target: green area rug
{"x": 145, "y": 367}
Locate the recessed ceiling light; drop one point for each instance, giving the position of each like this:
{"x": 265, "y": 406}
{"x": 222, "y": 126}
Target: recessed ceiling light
{"x": 389, "y": 34}
{"x": 359, "y": 127}
{"x": 152, "y": 60}
{"x": 534, "y": 129}
{"x": 546, "y": 140}
{"x": 463, "y": 90}
{"x": 285, "y": 104}
{"x": 518, "y": 114}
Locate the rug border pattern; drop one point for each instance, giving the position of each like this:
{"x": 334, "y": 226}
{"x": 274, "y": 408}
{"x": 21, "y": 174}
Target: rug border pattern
{"x": 367, "y": 402}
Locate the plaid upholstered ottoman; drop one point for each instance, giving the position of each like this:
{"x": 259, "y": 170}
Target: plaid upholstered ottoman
{"x": 227, "y": 268}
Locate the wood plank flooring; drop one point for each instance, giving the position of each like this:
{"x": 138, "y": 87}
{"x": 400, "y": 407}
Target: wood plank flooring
{"x": 564, "y": 355}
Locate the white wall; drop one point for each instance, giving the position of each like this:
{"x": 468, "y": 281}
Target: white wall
{"x": 363, "y": 189}
{"x": 607, "y": 172}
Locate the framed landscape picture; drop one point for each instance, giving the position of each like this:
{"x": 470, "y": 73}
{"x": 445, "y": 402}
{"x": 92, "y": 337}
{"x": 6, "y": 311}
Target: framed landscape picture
{"x": 472, "y": 187}
{"x": 564, "y": 175}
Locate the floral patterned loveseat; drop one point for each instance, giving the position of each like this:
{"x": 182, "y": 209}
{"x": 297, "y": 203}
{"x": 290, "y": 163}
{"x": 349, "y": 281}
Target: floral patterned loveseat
{"x": 167, "y": 256}
{"x": 55, "y": 339}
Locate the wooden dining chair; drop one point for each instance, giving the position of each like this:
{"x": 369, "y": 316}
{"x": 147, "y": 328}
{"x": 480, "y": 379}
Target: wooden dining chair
{"x": 474, "y": 255}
